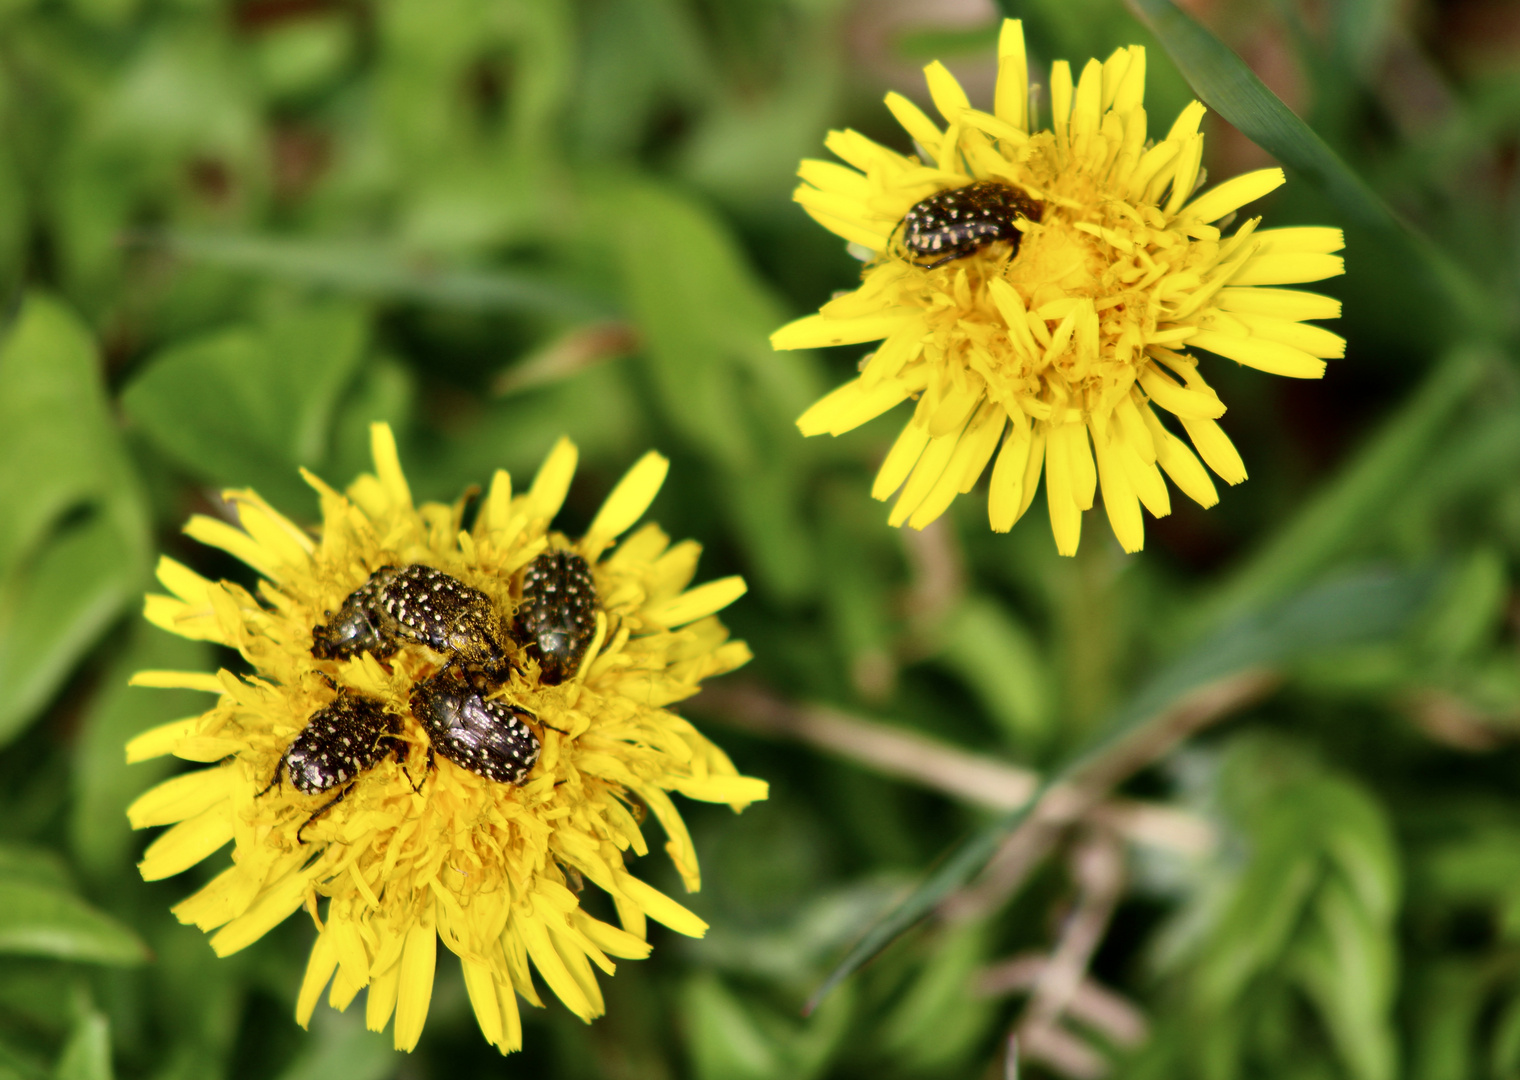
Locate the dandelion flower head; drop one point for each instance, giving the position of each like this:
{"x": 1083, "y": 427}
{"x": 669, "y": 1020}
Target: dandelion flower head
{"x": 1053, "y": 345}
{"x": 420, "y": 850}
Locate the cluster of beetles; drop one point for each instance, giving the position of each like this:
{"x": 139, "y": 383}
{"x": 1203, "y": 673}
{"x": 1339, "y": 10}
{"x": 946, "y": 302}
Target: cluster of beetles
{"x": 421, "y": 605}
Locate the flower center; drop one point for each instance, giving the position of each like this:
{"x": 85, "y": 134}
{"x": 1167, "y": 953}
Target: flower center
{"x": 1055, "y": 262}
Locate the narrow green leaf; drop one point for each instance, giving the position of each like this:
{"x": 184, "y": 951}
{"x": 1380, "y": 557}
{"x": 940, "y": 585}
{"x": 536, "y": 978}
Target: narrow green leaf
{"x": 379, "y": 273}
{"x": 39, "y": 919}
{"x": 1342, "y": 613}
{"x": 1225, "y": 84}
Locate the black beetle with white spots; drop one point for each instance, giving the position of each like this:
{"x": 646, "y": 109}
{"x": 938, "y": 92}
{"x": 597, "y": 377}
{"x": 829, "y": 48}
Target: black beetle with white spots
{"x": 959, "y": 222}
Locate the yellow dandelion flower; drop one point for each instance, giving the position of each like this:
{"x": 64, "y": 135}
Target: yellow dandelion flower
{"x": 1047, "y": 309}
{"x": 420, "y": 846}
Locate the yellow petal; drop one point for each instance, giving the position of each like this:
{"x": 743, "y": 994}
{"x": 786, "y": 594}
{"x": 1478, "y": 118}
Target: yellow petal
{"x": 383, "y": 989}
{"x": 1130, "y": 94}
{"x": 161, "y": 740}
{"x": 1185, "y": 177}
{"x": 382, "y": 444}
{"x": 1314, "y": 340}
{"x": 1011, "y": 98}
{"x": 480, "y": 985}
{"x": 1269, "y": 356}
{"x": 1302, "y": 239}
{"x": 918, "y": 126}
{"x": 818, "y": 331}
{"x": 536, "y": 937}
{"x": 659, "y": 907}
{"x": 1290, "y": 304}
{"x": 1005, "y": 493}
{"x": 498, "y": 508}
{"x": 182, "y": 797}
{"x": 991, "y": 125}
{"x": 831, "y": 176}
{"x": 610, "y": 939}
{"x": 926, "y": 473}
{"x": 179, "y": 680}
{"x": 281, "y": 538}
{"x": 900, "y": 460}
{"x": 419, "y": 958}
{"x": 723, "y": 789}
{"x": 1088, "y": 101}
{"x": 1173, "y": 455}
{"x": 319, "y": 969}
{"x": 188, "y": 843}
{"x": 632, "y": 496}
{"x": 696, "y": 603}
{"x": 1233, "y": 194}
{"x": 966, "y": 465}
{"x": 1176, "y": 399}
{"x": 221, "y": 900}
{"x": 1119, "y": 499}
{"x": 1060, "y": 100}
{"x": 552, "y": 482}
{"x": 948, "y": 96}
{"x": 1215, "y": 448}
{"x": 274, "y": 906}
{"x": 847, "y": 229}
{"x": 1287, "y": 268}
{"x": 1060, "y": 498}
{"x": 847, "y": 407}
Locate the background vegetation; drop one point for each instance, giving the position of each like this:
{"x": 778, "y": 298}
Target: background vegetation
{"x": 233, "y": 234}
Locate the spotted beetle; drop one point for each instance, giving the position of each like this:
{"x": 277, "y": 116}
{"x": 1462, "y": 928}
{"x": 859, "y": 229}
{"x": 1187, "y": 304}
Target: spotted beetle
{"x": 355, "y": 628}
{"x": 557, "y": 617}
{"x": 424, "y": 605}
{"x": 489, "y": 738}
{"x": 961, "y": 221}
{"x": 341, "y": 740}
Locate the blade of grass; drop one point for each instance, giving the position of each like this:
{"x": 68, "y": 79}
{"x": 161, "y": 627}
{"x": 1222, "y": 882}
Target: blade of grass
{"x": 1225, "y": 84}
{"x": 374, "y": 271}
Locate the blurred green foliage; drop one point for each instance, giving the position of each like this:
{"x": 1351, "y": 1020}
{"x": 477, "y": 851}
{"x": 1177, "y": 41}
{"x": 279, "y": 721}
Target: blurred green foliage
{"x": 234, "y": 234}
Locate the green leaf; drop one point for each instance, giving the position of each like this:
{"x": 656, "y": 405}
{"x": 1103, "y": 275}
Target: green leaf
{"x": 57, "y": 437}
{"x": 54, "y": 612}
{"x": 1225, "y": 84}
{"x": 41, "y": 919}
{"x": 1342, "y": 613}
{"x": 246, "y": 406}
{"x": 87, "y": 1055}
{"x": 73, "y": 529}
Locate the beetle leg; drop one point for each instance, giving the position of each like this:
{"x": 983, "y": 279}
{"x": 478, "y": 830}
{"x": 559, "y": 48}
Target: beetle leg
{"x": 324, "y": 808}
